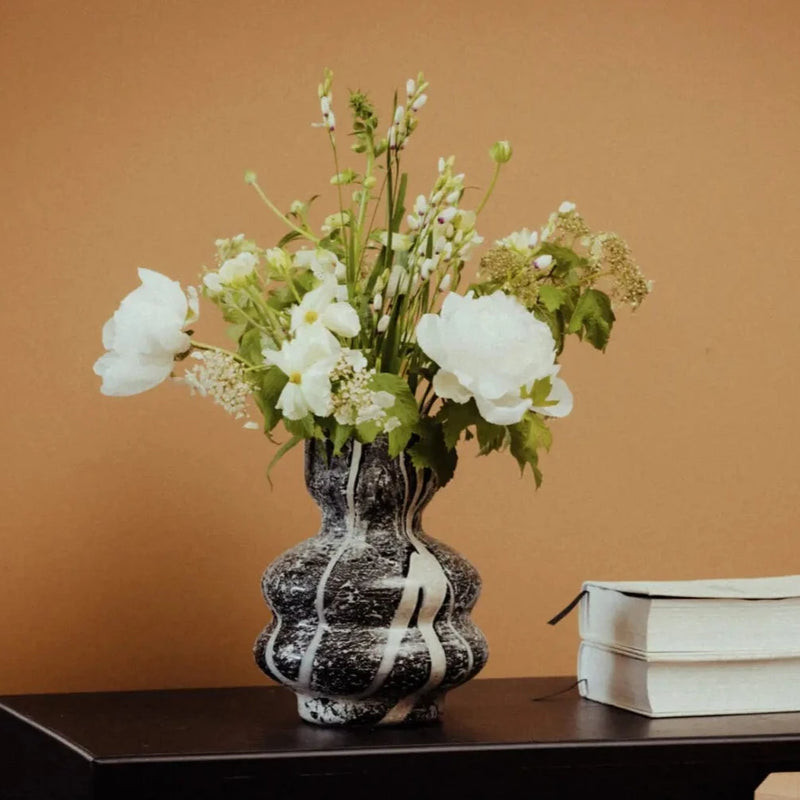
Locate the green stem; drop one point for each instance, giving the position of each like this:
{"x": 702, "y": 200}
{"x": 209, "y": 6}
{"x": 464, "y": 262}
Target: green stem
{"x": 306, "y": 234}
{"x": 203, "y": 346}
{"x": 489, "y": 190}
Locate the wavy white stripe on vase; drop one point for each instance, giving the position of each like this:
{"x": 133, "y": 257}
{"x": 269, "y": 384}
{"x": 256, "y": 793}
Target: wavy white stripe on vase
{"x": 409, "y": 597}
{"x": 307, "y": 662}
{"x": 426, "y": 573}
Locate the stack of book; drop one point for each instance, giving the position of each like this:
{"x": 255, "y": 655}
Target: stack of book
{"x": 691, "y": 648}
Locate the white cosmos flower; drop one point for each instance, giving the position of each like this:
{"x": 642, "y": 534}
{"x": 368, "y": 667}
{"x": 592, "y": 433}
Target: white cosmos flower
{"x": 308, "y": 360}
{"x": 320, "y": 307}
{"x": 491, "y": 348}
{"x": 145, "y": 334}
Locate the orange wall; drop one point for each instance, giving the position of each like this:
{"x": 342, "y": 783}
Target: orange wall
{"x": 134, "y": 531}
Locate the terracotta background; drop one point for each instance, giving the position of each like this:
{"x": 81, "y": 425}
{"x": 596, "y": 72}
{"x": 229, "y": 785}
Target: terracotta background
{"x": 134, "y": 531}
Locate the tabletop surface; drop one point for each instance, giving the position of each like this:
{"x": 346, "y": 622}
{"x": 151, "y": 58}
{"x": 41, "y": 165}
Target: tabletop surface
{"x": 262, "y": 722}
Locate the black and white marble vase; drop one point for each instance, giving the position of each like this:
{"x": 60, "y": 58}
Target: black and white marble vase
{"x": 371, "y": 616}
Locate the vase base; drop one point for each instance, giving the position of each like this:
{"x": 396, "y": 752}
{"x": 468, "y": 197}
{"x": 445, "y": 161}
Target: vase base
{"x": 335, "y": 711}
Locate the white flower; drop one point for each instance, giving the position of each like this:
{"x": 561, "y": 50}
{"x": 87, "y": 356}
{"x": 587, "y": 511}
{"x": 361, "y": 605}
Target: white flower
{"x": 319, "y": 306}
{"x": 398, "y": 281}
{"x": 233, "y": 272}
{"x": 144, "y": 335}
{"x": 308, "y": 360}
{"x": 490, "y": 348}
{"x": 543, "y": 262}
{"x": 521, "y": 241}
{"x": 400, "y": 241}
{"x": 566, "y": 207}
{"x": 320, "y": 262}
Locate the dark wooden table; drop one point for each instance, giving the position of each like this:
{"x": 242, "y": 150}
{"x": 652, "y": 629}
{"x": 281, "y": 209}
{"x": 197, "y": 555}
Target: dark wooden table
{"x": 496, "y": 740}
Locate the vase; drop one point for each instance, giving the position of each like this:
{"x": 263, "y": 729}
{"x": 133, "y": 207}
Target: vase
{"x": 371, "y": 617}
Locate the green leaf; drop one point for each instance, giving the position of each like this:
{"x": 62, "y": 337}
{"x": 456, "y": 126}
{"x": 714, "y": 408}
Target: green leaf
{"x": 551, "y": 296}
{"x": 567, "y": 260}
{"x": 455, "y": 418}
{"x": 367, "y": 432}
{"x": 235, "y": 332}
{"x": 541, "y": 391}
{"x": 429, "y": 451}
{"x": 267, "y": 388}
{"x": 399, "y": 209}
{"x": 527, "y": 436}
{"x": 593, "y": 315}
{"x": 339, "y": 435}
{"x": 405, "y": 409}
{"x": 282, "y": 451}
{"x": 288, "y": 237}
{"x": 250, "y": 347}
{"x": 305, "y": 428}
{"x": 490, "y": 436}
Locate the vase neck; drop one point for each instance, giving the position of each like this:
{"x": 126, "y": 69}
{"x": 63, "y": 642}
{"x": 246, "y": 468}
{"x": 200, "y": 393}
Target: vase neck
{"x": 366, "y": 484}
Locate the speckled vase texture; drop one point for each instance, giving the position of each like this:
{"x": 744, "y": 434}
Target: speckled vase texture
{"x": 371, "y": 617}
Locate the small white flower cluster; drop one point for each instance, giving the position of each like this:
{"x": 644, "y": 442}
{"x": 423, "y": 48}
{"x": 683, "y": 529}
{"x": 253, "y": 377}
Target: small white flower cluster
{"x": 354, "y": 402}
{"x": 222, "y": 378}
{"x": 405, "y": 119}
{"x": 438, "y": 219}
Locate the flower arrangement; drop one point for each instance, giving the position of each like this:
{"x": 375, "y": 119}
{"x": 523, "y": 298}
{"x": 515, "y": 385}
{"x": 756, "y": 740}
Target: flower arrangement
{"x": 358, "y": 328}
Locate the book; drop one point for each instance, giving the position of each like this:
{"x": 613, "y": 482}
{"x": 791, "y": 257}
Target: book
{"x": 674, "y": 686}
{"x": 779, "y": 786}
{"x": 748, "y": 617}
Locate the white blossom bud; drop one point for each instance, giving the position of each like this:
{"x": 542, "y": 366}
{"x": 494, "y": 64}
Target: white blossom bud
{"x": 566, "y": 207}
{"x": 325, "y": 105}
{"x": 421, "y": 204}
{"x": 411, "y": 87}
{"x": 445, "y": 282}
{"x": 399, "y": 113}
{"x": 543, "y": 262}
{"x": 383, "y": 323}
{"x": 419, "y": 102}
{"x": 413, "y": 222}
{"x": 452, "y": 198}
{"x": 442, "y": 164}
{"x": 533, "y": 239}
{"x": 377, "y": 301}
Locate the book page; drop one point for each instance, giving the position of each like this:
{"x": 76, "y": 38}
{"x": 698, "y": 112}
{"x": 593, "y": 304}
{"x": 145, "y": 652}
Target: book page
{"x": 774, "y": 588}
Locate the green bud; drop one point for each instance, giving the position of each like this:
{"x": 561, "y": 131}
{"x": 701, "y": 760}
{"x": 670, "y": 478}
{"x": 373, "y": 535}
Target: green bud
{"x": 343, "y": 178}
{"x": 250, "y": 177}
{"x": 500, "y": 151}
{"x": 370, "y": 181}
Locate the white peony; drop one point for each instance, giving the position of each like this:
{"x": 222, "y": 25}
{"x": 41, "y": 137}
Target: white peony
{"x": 493, "y": 349}
{"x": 308, "y": 360}
{"x": 145, "y": 334}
